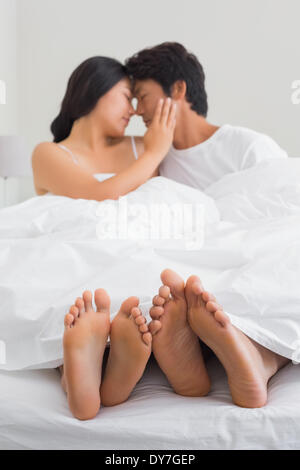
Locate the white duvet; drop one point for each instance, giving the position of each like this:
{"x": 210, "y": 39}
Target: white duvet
{"x": 242, "y": 238}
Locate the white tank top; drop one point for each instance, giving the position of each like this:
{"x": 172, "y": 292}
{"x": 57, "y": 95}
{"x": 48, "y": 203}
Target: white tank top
{"x": 100, "y": 176}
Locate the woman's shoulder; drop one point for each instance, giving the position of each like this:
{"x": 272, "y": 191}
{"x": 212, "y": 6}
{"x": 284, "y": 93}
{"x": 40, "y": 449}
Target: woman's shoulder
{"x": 44, "y": 149}
{"x": 44, "y": 146}
{"x": 47, "y": 155}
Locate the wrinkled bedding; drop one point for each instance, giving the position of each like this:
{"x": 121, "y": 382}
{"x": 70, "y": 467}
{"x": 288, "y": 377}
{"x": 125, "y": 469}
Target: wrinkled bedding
{"x": 35, "y": 415}
{"x": 242, "y": 237}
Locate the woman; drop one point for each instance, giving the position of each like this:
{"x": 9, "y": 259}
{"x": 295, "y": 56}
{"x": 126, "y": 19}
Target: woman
{"x": 90, "y": 158}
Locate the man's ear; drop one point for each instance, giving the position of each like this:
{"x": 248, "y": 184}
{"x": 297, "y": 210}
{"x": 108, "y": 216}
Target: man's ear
{"x": 178, "y": 90}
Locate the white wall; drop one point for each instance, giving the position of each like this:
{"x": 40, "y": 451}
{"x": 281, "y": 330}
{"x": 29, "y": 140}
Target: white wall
{"x": 12, "y": 190}
{"x": 249, "y": 49}
{"x": 8, "y": 66}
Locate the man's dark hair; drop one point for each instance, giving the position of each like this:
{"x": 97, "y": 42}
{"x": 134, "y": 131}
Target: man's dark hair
{"x": 166, "y": 63}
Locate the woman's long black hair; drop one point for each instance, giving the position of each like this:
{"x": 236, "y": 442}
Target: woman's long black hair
{"x": 90, "y": 80}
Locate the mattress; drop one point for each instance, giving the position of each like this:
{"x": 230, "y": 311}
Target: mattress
{"x": 34, "y": 415}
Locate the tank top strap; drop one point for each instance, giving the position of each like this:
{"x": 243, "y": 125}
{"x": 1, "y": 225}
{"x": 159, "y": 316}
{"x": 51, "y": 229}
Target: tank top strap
{"x": 134, "y": 147}
{"x": 69, "y": 151}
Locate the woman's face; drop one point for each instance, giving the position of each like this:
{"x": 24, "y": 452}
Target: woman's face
{"x": 114, "y": 110}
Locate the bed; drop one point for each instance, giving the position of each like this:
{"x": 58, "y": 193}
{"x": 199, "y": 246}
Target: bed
{"x": 52, "y": 248}
{"x": 34, "y": 415}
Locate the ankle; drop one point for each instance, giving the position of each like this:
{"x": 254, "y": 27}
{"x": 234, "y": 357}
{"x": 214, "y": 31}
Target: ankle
{"x": 272, "y": 362}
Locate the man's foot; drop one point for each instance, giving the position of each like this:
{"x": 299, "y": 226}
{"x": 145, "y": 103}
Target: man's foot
{"x": 130, "y": 349}
{"x": 84, "y": 341}
{"x": 175, "y": 346}
{"x": 248, "y": 365}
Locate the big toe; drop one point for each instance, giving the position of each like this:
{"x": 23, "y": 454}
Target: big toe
{"x": 174, "y": 282}
{"x": 193, "y": 289}
{"x": 102, "y": 300}
{"x": 128, "y": 305}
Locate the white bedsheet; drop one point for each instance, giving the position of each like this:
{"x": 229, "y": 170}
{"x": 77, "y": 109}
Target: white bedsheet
{"x": 34, "y": 415}
{"x": 50, "y": 252}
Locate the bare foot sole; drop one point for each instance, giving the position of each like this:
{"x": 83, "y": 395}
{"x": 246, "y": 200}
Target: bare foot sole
{"x": 84, "y": 341}
{"x": 175, "y": 346}
{"x": 130, "y": 349}
{"x": 248, "y": 365}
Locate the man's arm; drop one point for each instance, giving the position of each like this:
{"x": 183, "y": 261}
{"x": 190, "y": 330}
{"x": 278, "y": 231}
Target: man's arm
{"x": 262, "y": 149}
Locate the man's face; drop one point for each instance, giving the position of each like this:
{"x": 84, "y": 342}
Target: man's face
{"x": 148, "y": 93}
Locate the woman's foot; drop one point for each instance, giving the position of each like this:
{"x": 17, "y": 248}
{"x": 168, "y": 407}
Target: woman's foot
{"x": 130, "y": 349}
{"x": 175, "y": 346}
{"x": 248, "y": 365}
{"x": 84, "y": 341}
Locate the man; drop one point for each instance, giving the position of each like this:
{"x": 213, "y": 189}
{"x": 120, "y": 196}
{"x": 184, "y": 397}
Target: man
{"x": 201, "y": 152}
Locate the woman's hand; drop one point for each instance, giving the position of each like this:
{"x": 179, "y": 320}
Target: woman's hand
{"x": 159, "y": 136}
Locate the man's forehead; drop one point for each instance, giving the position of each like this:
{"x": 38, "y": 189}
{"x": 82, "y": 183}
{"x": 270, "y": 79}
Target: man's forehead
{"x": 138, "y": 87}
{"x": 142, "y": 85}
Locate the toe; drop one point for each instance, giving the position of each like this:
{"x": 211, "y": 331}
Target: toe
{"x": 174, "y": 282}
{"x": 140, "y": 320}
{"x": 147, "y": 338}
{"x": 69, "y": 319}
{"x": 143, "y": 328}
{"x": 222, "y": 318}
{"x": 156, "y": 312}
{"x": 207, "y": 296}
{"x": 164, "y": 292}
{"x": 197, "y": 288}
{"x": 102, "y": 300}
{"x": 212, "y": 306}
{"x": 80, "y": 305}
{"x": 74, "y": 311}
{"x": 128, "y": 305}
{"x": 193, "y": 290}
{"x": 154, "y": 327}
{"x": 191, "y": 281}
{"x": 88, "y": 299}
{"x": 158, "y": 300}
{"x": 135, "y": 312}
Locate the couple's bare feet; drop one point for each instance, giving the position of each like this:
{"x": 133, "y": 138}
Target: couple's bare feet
{"x": 84, "y": 342}
{"x": 191, "y": 313}
{"x": 181, "y": 314}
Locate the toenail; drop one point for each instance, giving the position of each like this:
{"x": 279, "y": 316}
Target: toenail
{"x": 197, "y": 288}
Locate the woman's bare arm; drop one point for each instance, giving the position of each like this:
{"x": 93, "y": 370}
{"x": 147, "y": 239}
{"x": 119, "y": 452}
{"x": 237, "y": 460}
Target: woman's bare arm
{"x": 139, "y": 141}
{"x": 55, "y": 172}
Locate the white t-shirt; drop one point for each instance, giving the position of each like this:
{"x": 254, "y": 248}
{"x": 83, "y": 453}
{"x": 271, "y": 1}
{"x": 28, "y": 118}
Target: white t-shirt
{"x": 229, "y": 149}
